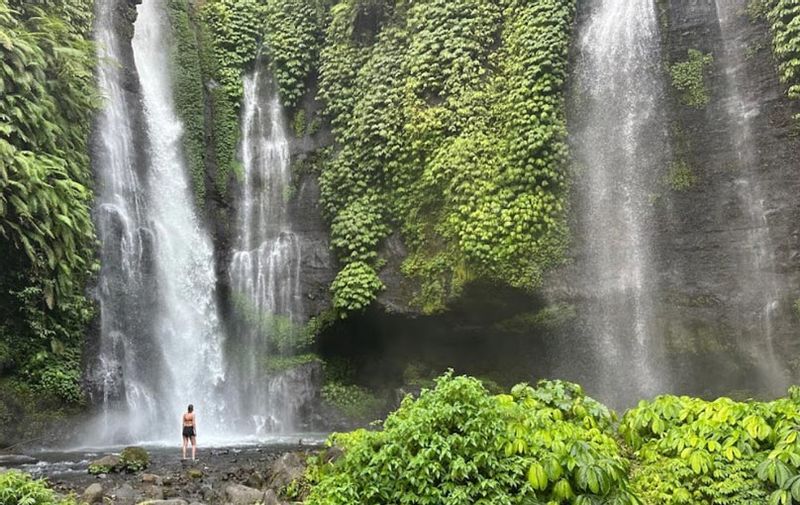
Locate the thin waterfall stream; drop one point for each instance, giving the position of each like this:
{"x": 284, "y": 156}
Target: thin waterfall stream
{"x": 759, "y": 278}
{"x": 265, "y": 269}
{"x": 618, "y": 134}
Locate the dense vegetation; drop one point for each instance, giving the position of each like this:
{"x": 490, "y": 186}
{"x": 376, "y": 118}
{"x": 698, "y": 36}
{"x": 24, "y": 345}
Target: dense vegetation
{"x": 457, "y": 444}
{"x": 17, "y": 488}
{"x": 47, "y": 99}
{"x": 449, "y": 128}
{"x": 784, "y": 19}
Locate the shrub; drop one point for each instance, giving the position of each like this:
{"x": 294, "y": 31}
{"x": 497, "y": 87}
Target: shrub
{"x": 353, "y": 401}
{"x": 722, "y": 452}
{"x": 134, "y": 459}
{"x": 457, "y": 444}
{"x": 17, "y": 488}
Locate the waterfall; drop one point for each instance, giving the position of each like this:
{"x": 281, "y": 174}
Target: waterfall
{"x": 154, "y": 249}
{"x": 756, "y": 265}
{"x": 265, "y": 267}
{"x": 119, "y": 217}
{"x": 619, "y": 140}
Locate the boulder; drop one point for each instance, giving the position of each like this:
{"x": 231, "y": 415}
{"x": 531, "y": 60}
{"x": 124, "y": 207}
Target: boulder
{"x": 105, "y": 464}
{"x": 194, "y": 473}
{"x": 255, "y": 480}
{"x": 270, "y": 498}
{"x": 93, "y": 494}
{"x": 152, "y": 479}
{"x": 134, "y": 459}
{"x": 286, "y": 469}
{"x": 242, "y": 495}
{"x": 124, "y": 495}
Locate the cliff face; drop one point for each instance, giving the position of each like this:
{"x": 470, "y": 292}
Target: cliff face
{"x": 723, "y": 223}
{"x": 728, "y": 245}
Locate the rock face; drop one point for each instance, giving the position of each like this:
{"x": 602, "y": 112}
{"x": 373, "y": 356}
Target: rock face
{"x": 724, "y": 238}
{"x": 93, "y": 494}
{"x": 238, "y": 494}
{"x": 287, "y": 468}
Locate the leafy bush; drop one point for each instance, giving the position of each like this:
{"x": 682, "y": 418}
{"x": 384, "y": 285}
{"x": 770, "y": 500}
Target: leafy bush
{"x": 721, "y": 452}
{"x": 278, "y": 364}
{"x": 457, "y": 444}
{"x": 353, "y": 401}
{"x": 689, "y": 78}
{"x": 17, "y": 488}
{"x": 354, "y": 287}
{"x": 133, "y": 459}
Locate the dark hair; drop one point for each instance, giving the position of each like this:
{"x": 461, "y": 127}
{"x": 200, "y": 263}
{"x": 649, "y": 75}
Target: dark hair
{"x": 191, "y": 408}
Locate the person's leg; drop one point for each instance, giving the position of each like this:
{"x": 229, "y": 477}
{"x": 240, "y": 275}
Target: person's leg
{"x": 194, "y": 447}
{"x": 184, "y": 447}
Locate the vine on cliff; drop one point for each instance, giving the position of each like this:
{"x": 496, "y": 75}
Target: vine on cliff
{"x": 784, "y": 19}
{"x": 188, "y": 92}
{"x": 449, "y": 117}
{"x": 689, "y": 78}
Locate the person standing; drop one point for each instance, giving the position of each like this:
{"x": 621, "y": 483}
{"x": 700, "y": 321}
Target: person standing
{"x": 189, "y": 422}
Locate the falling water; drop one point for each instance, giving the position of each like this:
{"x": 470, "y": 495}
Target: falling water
{"x": 619, "y": 133}
{"x": 756, "y": 268}
{"x": 119, "y": 216}
{"x": 181, "y": 362}
{"x": 265, "y": 270}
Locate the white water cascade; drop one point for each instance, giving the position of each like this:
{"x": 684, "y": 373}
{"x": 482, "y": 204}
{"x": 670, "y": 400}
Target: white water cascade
{"x": 265, "y": 269}
{"x": 756, "y": 266}
{"x": 177, "y": 357}
{"x": 619, "y": 137}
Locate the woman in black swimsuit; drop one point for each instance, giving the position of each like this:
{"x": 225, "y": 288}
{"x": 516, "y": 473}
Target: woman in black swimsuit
{"x": 189, "y": 434}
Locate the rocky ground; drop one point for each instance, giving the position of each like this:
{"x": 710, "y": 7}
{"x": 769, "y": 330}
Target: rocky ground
{"x": 226, "y": 476}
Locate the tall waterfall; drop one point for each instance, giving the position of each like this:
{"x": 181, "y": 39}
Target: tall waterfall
{"x": 618, "y": 136}
{"x": 177, "y": 357}
{"x": 265, "y": 269}
{"x": 760, "y": 292}
{"x": 120, "y": 219}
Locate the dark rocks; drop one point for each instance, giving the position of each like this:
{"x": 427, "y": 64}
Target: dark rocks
{"x": 149, "y": 478}
{"x": 104, "y": 465}
{"x": 124, "y": 495}
{"x": 238, "y": 494}
{"x": 270, "y": 498}
{"x": 287, "y": 468}
{"x": 93, "y": 494}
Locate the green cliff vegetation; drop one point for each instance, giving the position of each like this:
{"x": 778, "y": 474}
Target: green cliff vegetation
{"x": 553, "y": 444}
{"x": 784, "y": 19}
{"x": 448, "y": 118}
{"x": 689, "y": 78}
{"x": 47, "y": 99}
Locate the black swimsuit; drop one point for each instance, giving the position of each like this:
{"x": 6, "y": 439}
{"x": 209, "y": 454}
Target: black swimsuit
{"x": 188, "y": 431}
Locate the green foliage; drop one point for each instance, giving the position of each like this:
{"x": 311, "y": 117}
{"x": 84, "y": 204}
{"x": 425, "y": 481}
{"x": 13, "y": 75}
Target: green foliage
{"x": 187, "y": 84}
{"x": 133, "y": 459}
{"x": 354, "y": 287}
{"x": 47, "y": 98}
{"x": 353, "y": 401}
{"x": 95, "y": 469}
{"x": 17, "y": 488}
{"x": 721, "y": 452}
{"x": 457, "y": 444}
{"x": 449, "y": 118}
{"x": 784, "y": 20}
{"x": 278, "y": 364}
{"x": 680, "y": 177}
{"x": 689, "y": 77}
{"x": 292, "y": 37}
